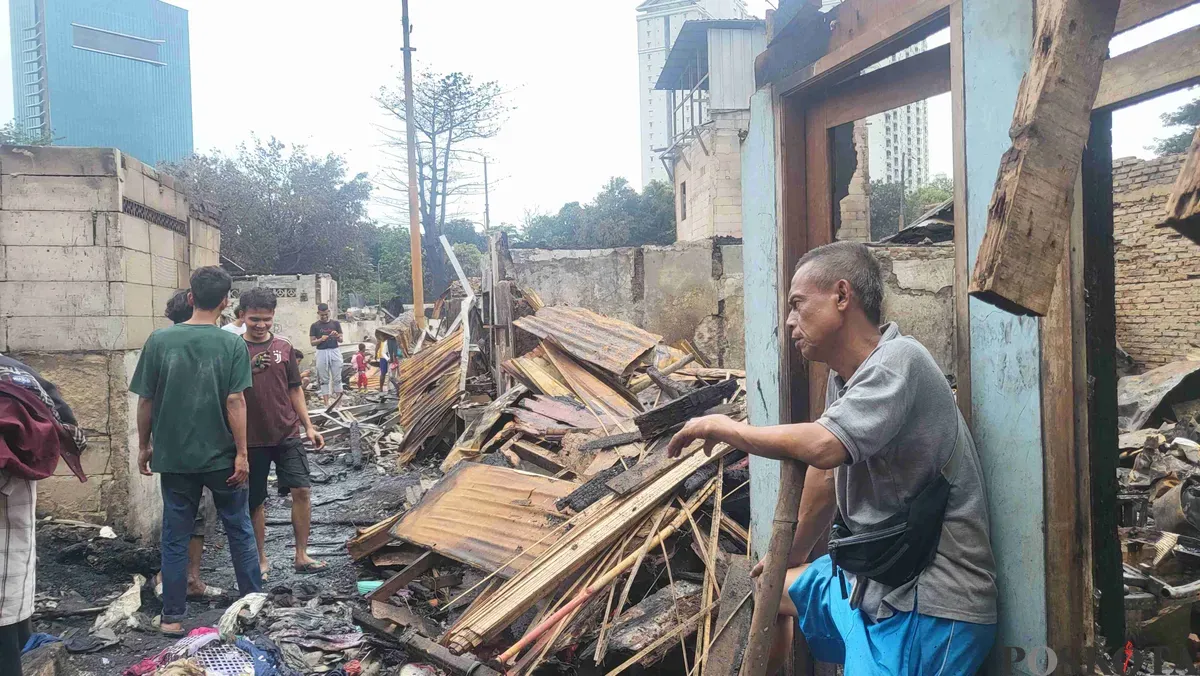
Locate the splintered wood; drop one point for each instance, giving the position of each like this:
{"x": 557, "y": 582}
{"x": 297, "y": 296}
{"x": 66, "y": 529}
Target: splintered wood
{"x": 598, "y": 527}
{"x": 1030, "y": 213}
{"x": 1183, "y": 207}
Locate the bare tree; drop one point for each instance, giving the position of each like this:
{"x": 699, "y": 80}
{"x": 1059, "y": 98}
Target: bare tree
{"x": 451, "y": 112}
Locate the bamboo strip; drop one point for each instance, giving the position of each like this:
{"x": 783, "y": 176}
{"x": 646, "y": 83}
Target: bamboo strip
{"x": 611, "y": 517}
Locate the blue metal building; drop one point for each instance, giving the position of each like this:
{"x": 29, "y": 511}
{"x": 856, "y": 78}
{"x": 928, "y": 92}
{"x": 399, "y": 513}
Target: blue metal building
{"x": 110, "y": 73}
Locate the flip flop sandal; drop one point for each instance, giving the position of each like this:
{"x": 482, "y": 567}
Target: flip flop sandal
{"x": 314, "y": 567}
{"x": 210, "y": 592}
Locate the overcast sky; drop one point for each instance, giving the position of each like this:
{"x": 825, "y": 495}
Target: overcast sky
{"x": 306, "y": 72}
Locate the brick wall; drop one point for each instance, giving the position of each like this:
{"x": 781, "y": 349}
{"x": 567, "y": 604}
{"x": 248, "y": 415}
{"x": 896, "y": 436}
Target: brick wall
{"x": 1158, "y": 271}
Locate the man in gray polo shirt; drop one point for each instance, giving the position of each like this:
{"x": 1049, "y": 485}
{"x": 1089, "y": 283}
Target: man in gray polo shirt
{"x": 890, "y": 428}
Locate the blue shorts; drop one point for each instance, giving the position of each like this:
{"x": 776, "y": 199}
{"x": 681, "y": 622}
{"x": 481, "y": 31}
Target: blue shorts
{"x": 905, "y": 643}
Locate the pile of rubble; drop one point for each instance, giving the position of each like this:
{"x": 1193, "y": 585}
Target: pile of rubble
{"x": 560, "y": 532}
{"x": 1159, "y": 503}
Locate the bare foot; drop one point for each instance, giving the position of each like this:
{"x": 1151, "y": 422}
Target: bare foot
{"x": 307, "y": 564}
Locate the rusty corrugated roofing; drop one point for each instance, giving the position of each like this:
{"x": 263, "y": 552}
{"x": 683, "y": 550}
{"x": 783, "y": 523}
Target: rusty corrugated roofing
{"x": 610, "y": 344}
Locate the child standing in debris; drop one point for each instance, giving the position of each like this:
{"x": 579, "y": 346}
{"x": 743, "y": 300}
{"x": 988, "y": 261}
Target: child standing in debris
{"x": 191, "y": 378}
{"x": 360, "y": 365}
{"x": 325, "y": 335}
{"x": 276, "y": 413}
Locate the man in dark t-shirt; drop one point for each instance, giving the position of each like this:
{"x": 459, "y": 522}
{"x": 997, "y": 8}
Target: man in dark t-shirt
{"x": 277, "y": 412}
{"x": 191, "y": 423}
{"x": 325, "y": 334}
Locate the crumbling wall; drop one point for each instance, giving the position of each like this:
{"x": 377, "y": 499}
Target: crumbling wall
{"x": 1158, "y": 271}
{"x": 919, "y": 296}
{"x": 694, "y": 290}
{"x": 688, "y": 290}
{"x": 92, "y": 244}
{"x": 296, "y": 297}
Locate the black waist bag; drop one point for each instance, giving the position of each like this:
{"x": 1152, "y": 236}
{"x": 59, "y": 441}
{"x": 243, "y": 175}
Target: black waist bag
{"x": 896, "y": 550}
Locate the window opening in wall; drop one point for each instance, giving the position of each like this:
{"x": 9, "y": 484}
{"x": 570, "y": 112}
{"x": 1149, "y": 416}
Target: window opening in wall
{"x": 683, "y": 201}
{"x": 890, "y": 177}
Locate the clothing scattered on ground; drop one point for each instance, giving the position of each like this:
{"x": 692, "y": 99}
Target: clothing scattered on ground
{"x": 269, "y": 411}
{"x": 319, "y": 329}
{"x": 234, "y": 329}
{"x": 903, "y": 644}
{"x": 899, "y": 422}
{"x": 329, "y": 371}
{"x": 188, "y": 370}
{"x": 38, "y": 640}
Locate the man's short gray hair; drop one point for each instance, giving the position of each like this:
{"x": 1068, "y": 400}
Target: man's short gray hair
{"x": 853, "y": 262}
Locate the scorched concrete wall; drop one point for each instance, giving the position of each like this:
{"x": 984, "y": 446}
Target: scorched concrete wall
{"x": 92, "y": 244}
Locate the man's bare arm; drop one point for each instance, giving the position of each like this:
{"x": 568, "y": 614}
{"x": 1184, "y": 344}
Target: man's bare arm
{"x": 145, "y": 422}
{"x": 235, "y": 410}
{"x": 300, "y": 406}
{"x": 808, "y": 443}
{"x": 817, "y": 503}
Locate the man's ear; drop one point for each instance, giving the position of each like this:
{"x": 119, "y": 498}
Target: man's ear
{"x": 843, "y": 294}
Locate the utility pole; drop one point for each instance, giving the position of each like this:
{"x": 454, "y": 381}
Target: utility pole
{"x": 487, "y": 218}
{"x": 414, "y": 209}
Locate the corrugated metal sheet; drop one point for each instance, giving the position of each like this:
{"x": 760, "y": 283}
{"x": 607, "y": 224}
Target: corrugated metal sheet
{"x": 731, "y": 55}
{"x": 428, "y": 391}
{"x": 608, "y": 343}
{"x": 487, "y": 516}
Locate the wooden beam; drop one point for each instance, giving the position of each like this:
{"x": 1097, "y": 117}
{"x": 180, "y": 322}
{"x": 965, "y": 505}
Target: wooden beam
{"x": 1067, "y": 540}
{"x": 1134, "y": 13}
{"x": 1030, "y": 212}
{"x": 916, "y": 78}
{"x": 410, "y": 573}
{"x": 962, "y": 267}
{"x": 860, "y": 32}
{"x": 1183, "y": 206}
{"x": 1166, "y": 65}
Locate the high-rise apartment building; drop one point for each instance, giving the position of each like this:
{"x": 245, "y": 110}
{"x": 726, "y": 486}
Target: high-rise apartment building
{"x": 658, "y": 24}
{"x": 108, "y": 73}
{"x": 898, "y": 139}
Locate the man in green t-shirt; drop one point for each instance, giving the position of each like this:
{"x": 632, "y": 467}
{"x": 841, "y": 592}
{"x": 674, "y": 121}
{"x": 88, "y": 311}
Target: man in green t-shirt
{"x": 190, "y": 378}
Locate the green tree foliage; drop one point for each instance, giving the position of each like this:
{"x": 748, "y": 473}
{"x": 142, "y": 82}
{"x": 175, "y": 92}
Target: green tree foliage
{"x": 886, "y": 200}
{"x": 617, "y": 216}
{"x": 16, "y": 134}
{"x": 388, "y": 275}
{"x": 1186, "y": 116}
{"x": 282, "y": 210}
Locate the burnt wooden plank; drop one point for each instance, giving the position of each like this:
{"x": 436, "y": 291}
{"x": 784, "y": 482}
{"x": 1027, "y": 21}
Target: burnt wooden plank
{"x": 657, "y": 421}
{"x": 1029, "y": 216}
{"x": 611, "y": 441}
{"x": 733, "y": 621}
{"x": 409, "y": 574}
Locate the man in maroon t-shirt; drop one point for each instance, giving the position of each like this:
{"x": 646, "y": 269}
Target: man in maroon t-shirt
{"x": 275, "y": 413}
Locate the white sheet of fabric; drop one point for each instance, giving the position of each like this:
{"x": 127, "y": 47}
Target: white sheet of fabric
{"x": 18, "y": 549}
